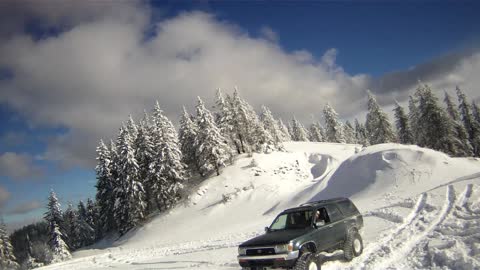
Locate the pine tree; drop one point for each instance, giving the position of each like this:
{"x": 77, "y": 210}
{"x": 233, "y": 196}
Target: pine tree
{"x": 437, "y": 133}
{"x": 84, "y": 231}
{"x": 8, "y": 261}
{"x": 472, "y": 126}
{"x": 349, "y": 133}
{"x": 405, "y": 135}
{"x": 144, "y": 155}
{"x": 333, "y": 128}
{"x": 92, "y": 217}
{"x": 29, "y": 262}
{"x": 105, "y": 186}
{"x": 285, "y": 135}
{"x": 271, "y": 127}
{"x": 379, "y": 129}
{"x": 168, "y": 170}
{"x": 224, "y": 119}
{"x": 461, "y": 136}
{"x": 70, "y": 222}
{"x": 53, "y": 216}
{"x": 211, "y": 151}
{"x": 316, "y": 132}
{"x": 187, "y": 133}
{"x": 361, "y": 134}
{"x": 290, "y": 131}
{"x": 129, "y": 208}
{"x": 413, "y": 116}
{"x": 476, "y": 112}
{"x": 300, "y": 134}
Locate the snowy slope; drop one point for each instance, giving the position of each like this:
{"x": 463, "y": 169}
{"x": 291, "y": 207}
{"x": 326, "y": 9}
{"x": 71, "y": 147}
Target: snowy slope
{"x": 421, "y": 210}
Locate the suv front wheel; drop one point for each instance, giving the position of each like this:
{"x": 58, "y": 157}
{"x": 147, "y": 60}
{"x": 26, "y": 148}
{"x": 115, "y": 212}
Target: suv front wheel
{"x": 307, "y": 261}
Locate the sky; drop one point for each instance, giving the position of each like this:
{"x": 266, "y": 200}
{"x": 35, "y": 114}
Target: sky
{"x": 72, "y": 71}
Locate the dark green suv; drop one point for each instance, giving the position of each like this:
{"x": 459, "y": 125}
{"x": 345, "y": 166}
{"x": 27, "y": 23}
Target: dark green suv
{"x": 298, "y": 234}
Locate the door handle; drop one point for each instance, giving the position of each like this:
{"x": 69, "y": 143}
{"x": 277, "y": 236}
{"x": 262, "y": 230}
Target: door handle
{"x": 330, "y": 226}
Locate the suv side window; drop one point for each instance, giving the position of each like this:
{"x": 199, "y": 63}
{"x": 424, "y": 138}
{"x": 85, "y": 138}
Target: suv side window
{"x": 347, "y": 208}
{"x": 333, "y": 213}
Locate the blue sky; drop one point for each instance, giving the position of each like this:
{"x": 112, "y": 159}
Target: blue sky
{"x": 50, "y": 83}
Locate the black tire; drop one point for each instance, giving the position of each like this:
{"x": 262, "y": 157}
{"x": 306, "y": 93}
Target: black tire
{"x": 307, "y": 261}
{"x": 353, "y": 246}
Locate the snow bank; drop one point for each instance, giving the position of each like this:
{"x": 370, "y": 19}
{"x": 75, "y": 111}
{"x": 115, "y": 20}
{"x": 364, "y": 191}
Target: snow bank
{"x": 393, "y": 168}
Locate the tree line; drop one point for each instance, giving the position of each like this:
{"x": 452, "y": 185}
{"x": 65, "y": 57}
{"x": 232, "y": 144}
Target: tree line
{"x": 145, "y": 169}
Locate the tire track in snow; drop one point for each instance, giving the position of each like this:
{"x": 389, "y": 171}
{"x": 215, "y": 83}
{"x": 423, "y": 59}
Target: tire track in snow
{"x": 412, "y": 217}
{"x": 401, "y": 246}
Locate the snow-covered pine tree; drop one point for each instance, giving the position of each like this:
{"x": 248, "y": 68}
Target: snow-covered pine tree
{"x": 167, "y": 170}
{"x": 241, "y": 122}
{"x": 472, "y": 126}
{"x": 462, "y": 143}
{"x": 224, "y": 119}
{"x": 211, "y": 151}
{"x": 437, "y": 131}
{"x": 349, "y": 133}
{"x": 8, "y": 261}
{"x": 144, "y": 155}
{"x": 105, "y": 186}
{"x": 413, "y": 116}
{"x": 285, "y": 135}
{"x": 29, "y": 262}
{"x": 132, "y": 128}
{"x": 186, "y": 134}
{"x": 83, "y": 230}
{"x": 53, "y": 216}
{"x": 405, "y": 135}
{"x": 130, "y": 205}
{"x": 93, "y": 217}
{"x": 379, "y": 129}
{"x": 299, "y": 132}
{"x": 476, "y": 112}
{"x": 271, "y": 127}
{"x": 70, "y": 222}
{"x": 316, "y": 132}
{"x": 361, "y": 134}
{"x": 333, "y": 127}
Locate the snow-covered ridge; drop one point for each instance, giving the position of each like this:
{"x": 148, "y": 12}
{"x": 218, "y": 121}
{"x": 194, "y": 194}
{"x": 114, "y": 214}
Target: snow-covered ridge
{"x": 421, "y": 210}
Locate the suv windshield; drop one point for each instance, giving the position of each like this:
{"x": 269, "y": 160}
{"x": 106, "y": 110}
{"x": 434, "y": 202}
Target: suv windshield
{"x": 292, "y": 221}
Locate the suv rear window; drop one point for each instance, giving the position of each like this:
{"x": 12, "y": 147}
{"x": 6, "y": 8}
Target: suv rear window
{"x": 347, "y": 208}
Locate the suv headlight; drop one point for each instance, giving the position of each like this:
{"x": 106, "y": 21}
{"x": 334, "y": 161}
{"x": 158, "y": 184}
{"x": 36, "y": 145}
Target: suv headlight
{"x": 283, "y": 248}
{"x": 242, "y": 251}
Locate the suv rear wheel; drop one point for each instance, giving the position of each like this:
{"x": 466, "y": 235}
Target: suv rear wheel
{"x": 307, "y": 261}
{"x": 353, "y": 245}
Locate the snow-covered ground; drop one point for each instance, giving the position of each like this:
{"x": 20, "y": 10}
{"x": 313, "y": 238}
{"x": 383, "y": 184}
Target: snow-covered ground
{"x": 421, "y": 210}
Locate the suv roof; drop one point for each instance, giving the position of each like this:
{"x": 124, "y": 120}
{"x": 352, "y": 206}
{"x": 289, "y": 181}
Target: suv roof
{"x": 315, "y": 204}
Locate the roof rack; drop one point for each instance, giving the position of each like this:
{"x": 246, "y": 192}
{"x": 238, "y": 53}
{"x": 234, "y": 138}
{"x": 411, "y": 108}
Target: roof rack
{"x": 323, "y": 201}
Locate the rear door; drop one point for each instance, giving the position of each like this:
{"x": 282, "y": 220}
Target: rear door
{"x": 336, "y": 225}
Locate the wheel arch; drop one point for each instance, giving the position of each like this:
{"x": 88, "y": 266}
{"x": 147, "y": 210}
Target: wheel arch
{"x": 308, "y": 246}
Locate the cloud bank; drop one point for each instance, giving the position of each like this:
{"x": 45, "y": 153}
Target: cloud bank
{"x": 108, "y": 64}
{"x": 19, "y": 166}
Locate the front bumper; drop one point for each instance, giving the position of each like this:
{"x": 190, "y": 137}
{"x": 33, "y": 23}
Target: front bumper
{"x": 285, "y": 260}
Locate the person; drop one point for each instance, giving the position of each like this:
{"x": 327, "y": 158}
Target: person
{"x": 320, "y": 217}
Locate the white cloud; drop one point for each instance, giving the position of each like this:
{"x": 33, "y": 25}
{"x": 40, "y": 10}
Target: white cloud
{"x": 91, "y": 77}
{"x": 24, "y": 208}
{"x": 19, "y": 166}
{"x": 4, "y": 196}
{"x": 269, "y": 34}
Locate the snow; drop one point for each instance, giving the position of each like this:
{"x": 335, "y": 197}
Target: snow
{"x": 421, "y": 210}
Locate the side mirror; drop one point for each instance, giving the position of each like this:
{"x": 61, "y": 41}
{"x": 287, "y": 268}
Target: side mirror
{"x": 267, "y": 230}
{"x": 320, "y": 223}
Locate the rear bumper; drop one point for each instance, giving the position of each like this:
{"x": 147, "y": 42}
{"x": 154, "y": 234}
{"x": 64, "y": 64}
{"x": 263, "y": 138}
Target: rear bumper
{"x": 286, "y": 260}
